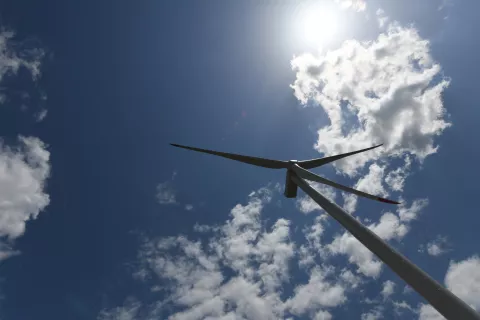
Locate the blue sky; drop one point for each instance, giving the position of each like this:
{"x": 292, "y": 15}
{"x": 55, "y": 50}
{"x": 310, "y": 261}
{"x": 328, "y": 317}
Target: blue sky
{"x": 101, "y": 219}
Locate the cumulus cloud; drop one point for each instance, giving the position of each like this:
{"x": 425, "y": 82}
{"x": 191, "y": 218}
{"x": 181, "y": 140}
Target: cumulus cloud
{"x": 408, "y": 214}
{"x": 436, "y": 247}
{"x": 388, "y": 288}
{"x": 313, "y": 246}
{"x": 463, "y": 279}
{"x": 395, "y": 179}
{"x": 317, "y": 293}
{"x": 25, "y": 167}
{"x": 391, "y": 226}
{"x": 352, "y": 280}
{"x": 23, "y": 174}
{"x": 384, "y": 91}
{"x": 372, "y": 182}
{"x": 349, "y": 202}
{"x": 238, "y": 272}
{"x": 306, "y": 205}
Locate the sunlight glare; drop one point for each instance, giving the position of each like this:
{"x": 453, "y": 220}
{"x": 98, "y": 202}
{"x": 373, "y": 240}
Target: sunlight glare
{"x": 319, "y": 25}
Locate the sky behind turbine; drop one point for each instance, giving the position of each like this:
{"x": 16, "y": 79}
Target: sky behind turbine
{"x": 101, "y": 219}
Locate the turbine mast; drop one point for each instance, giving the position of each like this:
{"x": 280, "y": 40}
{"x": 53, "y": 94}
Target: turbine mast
{"x": 448, "y": 304}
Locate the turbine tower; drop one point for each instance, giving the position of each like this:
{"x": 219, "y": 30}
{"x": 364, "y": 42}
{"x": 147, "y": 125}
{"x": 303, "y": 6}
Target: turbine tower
{"x": 445, "y": 302}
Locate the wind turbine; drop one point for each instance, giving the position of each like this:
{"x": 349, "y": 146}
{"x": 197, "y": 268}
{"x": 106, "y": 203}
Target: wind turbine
{"x": 445, "y": 302}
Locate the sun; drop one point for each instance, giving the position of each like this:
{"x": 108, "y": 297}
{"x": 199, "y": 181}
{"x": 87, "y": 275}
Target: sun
{"x": 318, "y": 25}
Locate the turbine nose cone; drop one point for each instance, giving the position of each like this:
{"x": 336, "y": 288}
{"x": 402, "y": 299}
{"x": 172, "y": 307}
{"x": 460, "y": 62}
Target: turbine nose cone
{"x": 292, "y": 163}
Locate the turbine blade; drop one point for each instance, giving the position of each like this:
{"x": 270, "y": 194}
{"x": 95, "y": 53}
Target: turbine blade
{"x": 305, "y": 174}
{"x": 260, "y": 162}
{"x": 313, "y": 163}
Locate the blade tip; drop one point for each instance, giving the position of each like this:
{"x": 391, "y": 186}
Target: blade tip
{"x": 387, "y": 201}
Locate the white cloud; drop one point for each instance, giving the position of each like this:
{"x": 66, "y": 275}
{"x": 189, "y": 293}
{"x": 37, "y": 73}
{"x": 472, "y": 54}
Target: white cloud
{"x": 313, "y": 234}
{"x": 194, "y": 277}
{"x": 127, "y": 312}
{"x": 383, "y": 91}
{"x": 23, "y": 174}
{"x": 24, "y": 168}
{"x": 400, "y": 307}
{"x": 199, "y": 289}
{"x": 317, "y": 293}
{"x": 388, "y": 289}
{"x": 322, "y": 315}
{"x": 357, "y": 5}
{"x": 463, "y": 279}
{"x": 11, "y": 60}
{"x": 427, "y": 312}
{"x": 357, "y": 254}
{"x": 188, "y": 207}
{"x": 202, "y": 228}
{"x": 349, "y": 202}
{"x": 166, "y": 193}
{"x": 409, "y": 214}
{"x": 307, "y": 205}
{"x": 407, "y": 289}
{"x": 374, "y": 314}
{"x": 396, "y": 178}
{"x": 40, "y": 116}
{"x": 382, "y": 18}
{"x": 391, "y": 87}
{"x": 352, "y": 280}
{"x": 372, "y": 182}
{"x": 390, "y": 226}
{"x": 436, "y": 247}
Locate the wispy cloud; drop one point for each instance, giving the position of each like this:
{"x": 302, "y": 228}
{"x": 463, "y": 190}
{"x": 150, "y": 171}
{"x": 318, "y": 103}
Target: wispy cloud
{"x": 357, "y": 5}
{"x": 125, "y": 312}
{"x": 40, "y": 116}
{"x": 166, "y": 193}
{"x": 436, "y": 247}
{"x": 12, "y": 59}
{"x": 382, "y": 18}
{"x": 374, "y": 314}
